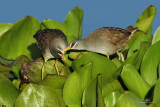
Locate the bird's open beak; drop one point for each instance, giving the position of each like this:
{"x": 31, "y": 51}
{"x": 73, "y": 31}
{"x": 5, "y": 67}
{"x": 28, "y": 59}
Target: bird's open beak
{"x": 64, "y": 58}
{"x": 67, "y": 48}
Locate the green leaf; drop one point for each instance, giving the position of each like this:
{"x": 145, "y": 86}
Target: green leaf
{"x": 154, "y": 105}
{"x": 8, "y": 93}
{"x": 133, "y": 81}
{"x": 129, "y": 99}
{"x": 136, "y": 45}
{"x": 111, "y": 99}
{"x": 135, "y": 59}
{"x": 89, "y": 94}
{"x": 16, "y": 83}
{"x": 4, "y": 27}
{"x": 54, "y": 81}
{"x": 114, "y": 86}
{"x": 146, "y": 18}
{"x": 150, "y": 63}
{"x": 18, "y": 40}
{"x": 156, "y": 36}
{"x": 75, "y": 84}
{"x": 132, "y": 40}
{"x": 100, "y": 100}
{"x": 72, "y": 26}
{"x": 101, "y": 65}
{"x": 156, "y": 96}
{"x": 39, "y": 96}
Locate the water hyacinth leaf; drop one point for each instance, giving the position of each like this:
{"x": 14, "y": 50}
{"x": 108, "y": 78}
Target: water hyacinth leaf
{"x": 16, "y": 83}
{"x": 131, "y": 41}
{"x": 156, "y": 96}
{"x": 89, "y": 94}
{"x": 114, "y": 86}
{"x": 117, "y": 62}
{"x": 5, "y": 61}
{"x": 100, "y": 100}
{"x": 75, "y": 84}
{"x": 111, "y": 99}
{"x": 101, "y": 65}
{"x": 18, "y": 40}
{"x": 130, "y": 99}
{"x": 154, "y": 105}
{"x": 54, "y": 81}
{"x": 150, "y": 63}
{"x": 4, "y": 27}
{"x": 136, "y": 45}
{"x": 133, "y": 81}
{"x": 137, "y": 57}
{"x": 8, "y": 92}
{"x": 72, "y": 26}
{"x": 146, "y": 18}
{"x": 39, "y": 96}
{"x": 31, "y": 72}
{"x": 156, "y": 36}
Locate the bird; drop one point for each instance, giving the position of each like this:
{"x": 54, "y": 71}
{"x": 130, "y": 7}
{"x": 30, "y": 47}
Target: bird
{"x": 105, "y": 41}
{"x": 52, "y": 42}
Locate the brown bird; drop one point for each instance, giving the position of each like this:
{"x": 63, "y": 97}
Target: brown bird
{"x": 106, "y": 41}
{"x": 52, "y": 42}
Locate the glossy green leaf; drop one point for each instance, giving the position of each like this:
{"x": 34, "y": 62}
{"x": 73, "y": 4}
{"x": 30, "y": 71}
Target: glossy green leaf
{"x": 114, "y": 86}
{"x": 132, "y": 40}
{"x": 156, "y": 36}
{"x": 75, "y": 84}
{"x": 31, "y": 72}
{"x": 18, "y": 40}
{"x": 136, "y": 45}
{"x": 72, "y": 26}
{"x": 4, "y": 27}
{"x": 150, "y": 63}
{"x": 156, "y": 96}
{"x": 101, "y": 65}
{"x": 100, "y": 100}
{"x": 135, "y": 59}
{"x": 8, "y": 92}
{"x": 133, "y": 81}
{"x": 154, "y": 105}
{"x": 39, "y": 96}
{"x": 111, "y": 99}
{"x": 117, "y": 62}
{"x": 146, "y": 18}
{"x": 54, "y": 81}
{"x": 129, "y": 99}
{"x": 5, "y": 61}
{"x": 89, "y": 94}
{"x": 16, "y": 83}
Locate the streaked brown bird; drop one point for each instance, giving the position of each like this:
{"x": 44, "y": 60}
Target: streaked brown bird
{"x": 106, "y": 41}
{"x": 52, "y": 42}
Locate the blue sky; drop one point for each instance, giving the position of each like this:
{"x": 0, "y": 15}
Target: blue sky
{"x": 97, "y": 13}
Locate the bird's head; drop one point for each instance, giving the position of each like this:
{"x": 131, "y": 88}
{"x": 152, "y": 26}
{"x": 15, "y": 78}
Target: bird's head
{"x": 73, "y": 45}
{"x": 57, "y": 48}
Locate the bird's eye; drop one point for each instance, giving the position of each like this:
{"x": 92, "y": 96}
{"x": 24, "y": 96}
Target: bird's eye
{"x": 59, "y": 52}
{"x": 72, "y": 44}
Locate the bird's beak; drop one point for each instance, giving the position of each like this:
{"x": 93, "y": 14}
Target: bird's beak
{"x": 67, "y": 48}
{"x": 64, "y": 58}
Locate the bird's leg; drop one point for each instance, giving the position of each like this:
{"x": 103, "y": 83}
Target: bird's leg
{"x": 108, "y": 56}
{"x": 56, "y": 66}
{"x": 42, "y": 70}
{"x": 119, "y": 55}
